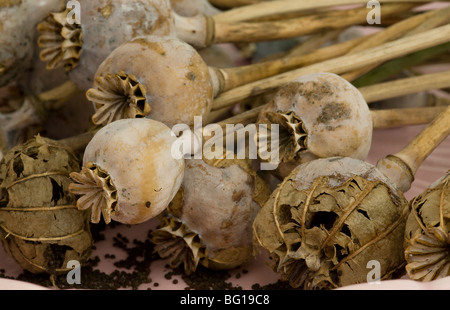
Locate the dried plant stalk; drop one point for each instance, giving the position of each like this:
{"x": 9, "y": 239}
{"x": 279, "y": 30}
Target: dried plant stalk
{"x": 338, "y": 65}
{"x": 427, "y": 233}
{"x": 313, "y": 23}
{"x": 255, "y": 9}
{"x": 40, "y": 226}
{"x": 404, "y": 28}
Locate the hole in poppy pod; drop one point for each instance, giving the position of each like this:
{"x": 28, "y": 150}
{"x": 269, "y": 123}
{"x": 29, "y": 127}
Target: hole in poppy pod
{"x": 340, "y": 252}
{"x": 363, "y": 212}
{"x": 323, "y": 219}
{"x": 4, "y": 197}
{"x": 18, "y": 166}
{"x": 141, "y": 106}
{"x": 57, "y": 191}
{"x": 346, "y": 231}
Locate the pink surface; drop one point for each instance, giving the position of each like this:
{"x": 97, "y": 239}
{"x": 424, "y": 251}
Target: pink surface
{"x": 384, "y": 142}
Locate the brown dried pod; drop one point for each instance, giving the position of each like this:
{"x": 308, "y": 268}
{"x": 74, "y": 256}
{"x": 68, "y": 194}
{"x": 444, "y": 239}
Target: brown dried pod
{"x": 18, "y": 20}
{"x": 81, "y": 47}
{"x": 328, "y": 219}
{"x": 129, "y": 174}
{"x": 427, "y": 233}
{"x": 319, "y": 115}
{"x": 40, "y": 225}
{"x": 210, "y": 221}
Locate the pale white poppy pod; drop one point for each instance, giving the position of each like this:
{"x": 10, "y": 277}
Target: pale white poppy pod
{"x": 162, "y": 78}
{"x": 130, "y": 167}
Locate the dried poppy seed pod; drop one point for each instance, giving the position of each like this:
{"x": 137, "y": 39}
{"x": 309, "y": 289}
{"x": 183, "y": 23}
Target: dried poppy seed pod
{"x": 17, "y": 35}
{"x": 162, "y": 78}
{"x": 81, "y": 48}
{"x": 40, "y": 225}
{"x": 319, "y": 115}
{"x": 209, "y": 223}
{"x": 427, "y": 238}
{"x": 129, "y": 174}
{"x": 328, "y": 219}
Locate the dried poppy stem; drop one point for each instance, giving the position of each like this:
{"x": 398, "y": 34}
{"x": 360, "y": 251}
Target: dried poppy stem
{"x": 390, "y": 118}
{"x": 393, "y": 67}
{"x": 313, "y": 42}
{"x": 402, "y": 166}
{"x": 413, "y": 25}
{"x": 406, "y": 86}
{"x": 78, "y": 142}
{"x": 54, "y": 98}
{"x": 340, "y": 64}
{"x": 226, "y": 32}
{"x": 34, "y": 108}
{"x": 261, "y": 9}
{"x": 237, "y": 76}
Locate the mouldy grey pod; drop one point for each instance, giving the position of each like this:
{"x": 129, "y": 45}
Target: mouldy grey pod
{"x": 210, "y": 221}
{"x": 81, "y": 48}
{"x": 319, "y": 115}
{"x": 18, "y": 20}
